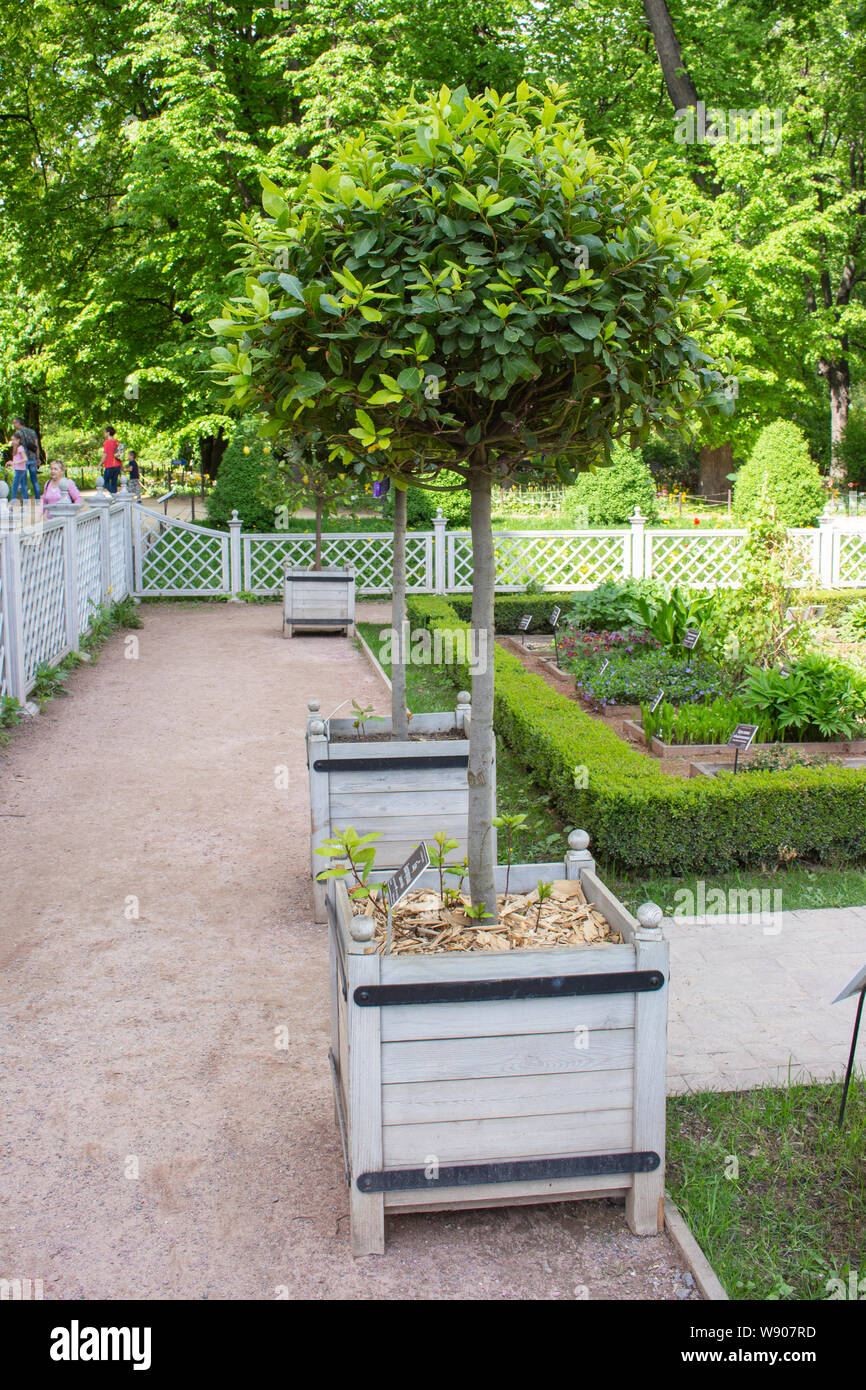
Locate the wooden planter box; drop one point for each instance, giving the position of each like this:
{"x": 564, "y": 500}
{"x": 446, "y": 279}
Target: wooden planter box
{"x": 500, "y": 1078}
{"x": 404, "y": 791}
{"x": 318, "y": 598}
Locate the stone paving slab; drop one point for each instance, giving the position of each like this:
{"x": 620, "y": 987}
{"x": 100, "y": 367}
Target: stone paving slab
{"x": 750, "y": 1004}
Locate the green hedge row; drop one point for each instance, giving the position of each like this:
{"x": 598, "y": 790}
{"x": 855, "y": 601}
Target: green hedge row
{"x": 641, "y": 820}
{"x": 838, "y": 601}
{"x": 508, "y": 609}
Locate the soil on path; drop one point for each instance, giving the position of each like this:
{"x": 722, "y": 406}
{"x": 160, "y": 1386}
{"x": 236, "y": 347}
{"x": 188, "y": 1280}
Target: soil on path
{"x": 158, "y": 1141}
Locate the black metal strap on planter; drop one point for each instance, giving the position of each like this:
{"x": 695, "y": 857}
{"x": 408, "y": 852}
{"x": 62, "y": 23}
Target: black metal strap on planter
{"x": 390, "y": 764}
{"x": 318, "y": 622}
{"x": 488, "y": 991}
{"x": 522, "y": 1170}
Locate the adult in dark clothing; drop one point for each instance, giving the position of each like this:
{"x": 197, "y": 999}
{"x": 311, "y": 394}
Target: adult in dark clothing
{"x": 30, "y": 444}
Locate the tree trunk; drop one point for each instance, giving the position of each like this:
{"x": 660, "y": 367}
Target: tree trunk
{"x": 716, "y": 464}
{"x": 482, "y": 883}
{"x": 838, "y": 378}
{"x": 681, "y": 88}
{"x": 399, "y": 721}
{"x": 320, "y": 511}
{"x": 211, "y": 448}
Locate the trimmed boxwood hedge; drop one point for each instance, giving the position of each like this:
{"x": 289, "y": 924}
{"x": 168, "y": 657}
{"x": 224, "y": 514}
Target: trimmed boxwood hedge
{"x": 642, "y": 820}
{"x": 837, "y": 601}
{"x": 508, "y": 609}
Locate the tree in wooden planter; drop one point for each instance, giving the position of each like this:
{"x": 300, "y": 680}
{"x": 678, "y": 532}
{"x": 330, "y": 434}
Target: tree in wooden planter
{"x": 325, "y": 597}
{"x": 468, "y": 284}
{"x": 471, "y": 1078}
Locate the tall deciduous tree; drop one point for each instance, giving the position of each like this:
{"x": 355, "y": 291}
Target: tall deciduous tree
{"x": 469, "y": 283}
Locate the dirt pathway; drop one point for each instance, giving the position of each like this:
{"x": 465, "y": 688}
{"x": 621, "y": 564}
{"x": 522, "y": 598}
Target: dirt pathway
{"x": 155, "y": 933}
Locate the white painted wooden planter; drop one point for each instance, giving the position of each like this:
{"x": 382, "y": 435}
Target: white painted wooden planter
{"x": 318, "y": 599}
{"x": 551, "y": 1088}
{"x": 404, "y": 791}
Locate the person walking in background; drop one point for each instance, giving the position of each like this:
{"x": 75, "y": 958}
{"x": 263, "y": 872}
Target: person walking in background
{"x": 52, "y": 493}
{"x": 19, "y": 468}
{"x": 30, "y": 440}
{"x": 110, "y": 464}
{"x": 134, "y": 474}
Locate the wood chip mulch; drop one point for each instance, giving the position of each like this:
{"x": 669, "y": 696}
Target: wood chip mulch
{"x": 421, "y": 926}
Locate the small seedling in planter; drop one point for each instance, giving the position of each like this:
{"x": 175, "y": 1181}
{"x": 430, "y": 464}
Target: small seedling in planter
{"x": 361, "y": 854}
{"x": 476, "y": 914}
{"x": 509, "y": 824}
{"x": 544, "y": 890}
{"x": 363, "y": 715}
{"x": 444, "y": 846}
{"x": 458, "y": 871}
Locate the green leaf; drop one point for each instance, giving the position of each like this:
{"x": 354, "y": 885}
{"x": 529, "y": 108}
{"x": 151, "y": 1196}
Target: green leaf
{"x": 473, "y": 434}
{"x": 292, "y": 285}
{"x": 308, "y": 384}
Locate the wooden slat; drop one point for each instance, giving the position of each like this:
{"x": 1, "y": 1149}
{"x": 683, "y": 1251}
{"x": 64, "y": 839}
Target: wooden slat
{"x": 424, "y": 826}
{"x": 427, "y": 1102}
{"x": 509, "y": 1194}
{"x": 493, "y": 965}
{"x": 406, "y": 803}
{"x": 472, "y": 1020}
{"x": 514, "y": 1137}
{"x": 645, "y": 1207}
{"x": 366, "y": 1210}
{"x": 609, "y": 906}
{"x": 461, "y": 1059}
{"x": 405, "y": 780}
{"x": 355, "y": 748}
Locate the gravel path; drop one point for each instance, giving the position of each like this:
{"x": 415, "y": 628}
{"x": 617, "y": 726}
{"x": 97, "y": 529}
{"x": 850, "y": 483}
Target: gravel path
{"x": 156, "y": 932}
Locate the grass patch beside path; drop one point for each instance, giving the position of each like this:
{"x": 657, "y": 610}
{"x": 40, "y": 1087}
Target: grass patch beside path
{"x": 429, "y": 688}
{"x": 794, "y": 1216}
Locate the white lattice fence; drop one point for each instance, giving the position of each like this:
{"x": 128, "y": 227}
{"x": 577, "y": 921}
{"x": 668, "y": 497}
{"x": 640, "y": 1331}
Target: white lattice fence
{"x": 176, "y": 557}
{"x": 88, "y": 567}
{"x": 371, "y": 557}
{"x": 851, "y": 568}
{"x": 702, "y": 561}
{"x": 117, "y": 553}
{"x": 557, "y": 559}
{"x": 43, "y": 607}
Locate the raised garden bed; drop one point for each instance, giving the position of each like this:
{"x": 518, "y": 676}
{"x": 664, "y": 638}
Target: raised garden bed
{"x": 488, "y": 1077}
{"x": 855, "y": 746}
{"x": 315, "y": 599}
{"x": 404, "y": 791}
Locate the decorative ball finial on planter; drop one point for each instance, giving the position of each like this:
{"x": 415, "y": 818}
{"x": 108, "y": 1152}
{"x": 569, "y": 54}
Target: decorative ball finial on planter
{"x": 317, "y": 727}
{"x": 650, "y": 916}
{"x": 313, "y": 705}
{"x": 362, "y": 928}
{"x": 4, "y": 491}
{"x": 577, "y": 856}
{"x": 578, "y": 839}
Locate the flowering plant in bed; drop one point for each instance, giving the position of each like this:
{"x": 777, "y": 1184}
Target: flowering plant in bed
{"x": 574, "y": 642}
{"x": 631, "y": 678}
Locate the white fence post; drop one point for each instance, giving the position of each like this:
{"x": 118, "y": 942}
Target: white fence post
{"x": 235, "y": 579}
{"x": 637, "y": 545}
{"x": 439, "y": 524}
{"x": 102, "y": 503}
{"x": 10, "y": 602}
{"x": 67, "y": 513}
{"x": 825, "y": 550}
{"x": 127, "y": 498}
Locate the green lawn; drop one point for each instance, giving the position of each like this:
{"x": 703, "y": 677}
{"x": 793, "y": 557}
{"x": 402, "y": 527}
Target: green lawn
{"x": 773, "y": 1191}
